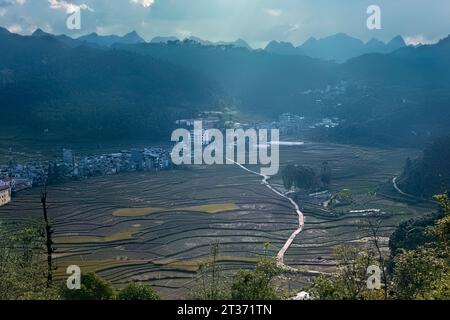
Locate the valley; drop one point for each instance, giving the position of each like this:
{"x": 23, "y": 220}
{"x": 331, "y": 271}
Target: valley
{"x": 157, "y": 228}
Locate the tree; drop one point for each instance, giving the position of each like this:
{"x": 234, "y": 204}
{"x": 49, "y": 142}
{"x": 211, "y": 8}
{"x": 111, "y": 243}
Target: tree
{"x": 55, "y": 174}
{"x": 92, "y": 288}
{"x": 288, "y": 176}
{"x": 325, "y": 174}
{"x": 350, "y": 280}
{"x": 430, "y": 173}
{"x": 421, "y": 271}
{"x": 48, "y": 238}
{"x": 22, "y": 270}
{"x": 302, "y": 177}
{"x": 258, "y": 284}
{"x": 411, "y": 234}
{"x": 138, "y": 291}
{"x": 210, "y": 283}
{"x": 444, "y": 202}
{"x": 417, "y": 272}
{"x": 424, "y": 272}
{"x": 305, "y": 178}
{"x": 441, "y": 231}
{"x": 440, "y": 290}
{"x": 373, "y": 227}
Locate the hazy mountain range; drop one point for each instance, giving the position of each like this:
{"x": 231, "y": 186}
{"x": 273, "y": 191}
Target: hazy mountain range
{"x": 110, "y": 86}
{"x": 107, "y": 41}
{"x": 133, "y": 37}
{"x": 339, "y": 47}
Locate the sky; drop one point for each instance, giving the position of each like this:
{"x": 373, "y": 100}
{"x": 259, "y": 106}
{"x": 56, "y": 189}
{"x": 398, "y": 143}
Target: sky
{"x": 256, "y": 21}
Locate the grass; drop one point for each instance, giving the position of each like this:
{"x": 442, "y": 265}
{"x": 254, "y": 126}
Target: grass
{"x": 209, "y": 208}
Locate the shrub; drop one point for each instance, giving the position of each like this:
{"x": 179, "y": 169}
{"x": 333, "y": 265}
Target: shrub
{"x": 138, "y": 291}
{"x": 93, "y": 287}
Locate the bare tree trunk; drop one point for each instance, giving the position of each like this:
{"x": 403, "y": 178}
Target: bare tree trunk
{"x": 48, "y": 236}
{"x": 374, "y": 232}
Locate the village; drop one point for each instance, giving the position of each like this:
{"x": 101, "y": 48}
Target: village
{"x": 16, "y": 177}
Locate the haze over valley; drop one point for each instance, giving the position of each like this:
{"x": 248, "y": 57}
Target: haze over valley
{"x": 93, "y": 121}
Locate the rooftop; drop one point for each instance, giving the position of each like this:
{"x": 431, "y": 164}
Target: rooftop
{"x": 3, "y": 188}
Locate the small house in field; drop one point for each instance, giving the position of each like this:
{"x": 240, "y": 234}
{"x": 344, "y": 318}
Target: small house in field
{"x": 5, "y": 195}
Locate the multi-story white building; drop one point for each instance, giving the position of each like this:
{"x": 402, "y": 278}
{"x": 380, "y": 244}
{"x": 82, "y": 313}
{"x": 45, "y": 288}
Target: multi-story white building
{"x": 200, "y": 137}
{"x": 68, "y": 157}
{"x": 5, "y": 195}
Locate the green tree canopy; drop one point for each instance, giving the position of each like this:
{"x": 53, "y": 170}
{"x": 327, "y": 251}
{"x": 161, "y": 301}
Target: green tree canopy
{"x": 302, "y": 177}
{"x": 93, "y": 287}
{"x": 138, "y": 291}
{"x": 350, "y": 280}
{"x": 258, "y": 284}
{"x": 22, "y": 264}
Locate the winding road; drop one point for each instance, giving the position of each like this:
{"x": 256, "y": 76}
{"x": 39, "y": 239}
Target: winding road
{"x": 301, "y": 218}
{"x": 396, "y": 187}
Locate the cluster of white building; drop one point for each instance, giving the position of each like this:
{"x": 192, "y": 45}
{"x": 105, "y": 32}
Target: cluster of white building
{"x": 329, "y": 91}
{"x": 148, "y": 159}
{"x": 17, "y": 177}
{"x": 23, "y": 176}
{"x": 200, "y": 137}
{"x": 290, "y": 123}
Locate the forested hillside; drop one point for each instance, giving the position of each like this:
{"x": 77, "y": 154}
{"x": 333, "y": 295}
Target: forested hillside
{"x": 83, "y": 92}
{"x": 69, "y": 88}
{"x": 430, "y": 174}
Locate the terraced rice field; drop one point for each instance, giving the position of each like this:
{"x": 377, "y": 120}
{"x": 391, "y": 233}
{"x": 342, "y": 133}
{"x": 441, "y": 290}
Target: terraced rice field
{"x": 158, "y": 228}
{"x": 209, "y": 208}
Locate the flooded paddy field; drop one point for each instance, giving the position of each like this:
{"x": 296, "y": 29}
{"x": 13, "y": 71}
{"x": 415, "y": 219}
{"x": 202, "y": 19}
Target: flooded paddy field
{"x": 158, "y": 227}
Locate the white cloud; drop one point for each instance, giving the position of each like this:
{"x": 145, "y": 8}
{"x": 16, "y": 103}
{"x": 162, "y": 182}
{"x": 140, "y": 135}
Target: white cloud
{"x": 144, "y": 3}
{"x": 15, "y": 28}
{"x": 67, "y": 6}
{"x": 183, "y": 33}
{"x": 6, "y": 3}
{"x": 274, "y": 12}
{"x": 417, "y": 40}
{"x": 292, "y": 28}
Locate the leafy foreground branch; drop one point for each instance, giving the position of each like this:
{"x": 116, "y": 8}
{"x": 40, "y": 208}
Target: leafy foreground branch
{"x": 418, "y": 268}
{"x": 24, "y": 272}
{"x": 261, "y": 283}
{"x": 95, "y": 288}
{"x": 23, "y": 276}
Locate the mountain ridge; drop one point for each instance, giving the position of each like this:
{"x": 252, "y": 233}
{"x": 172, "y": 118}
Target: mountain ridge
{"x": 109, "y": 40}
{"x": 339, "y": 47}
{"x": 395, "y": 98}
